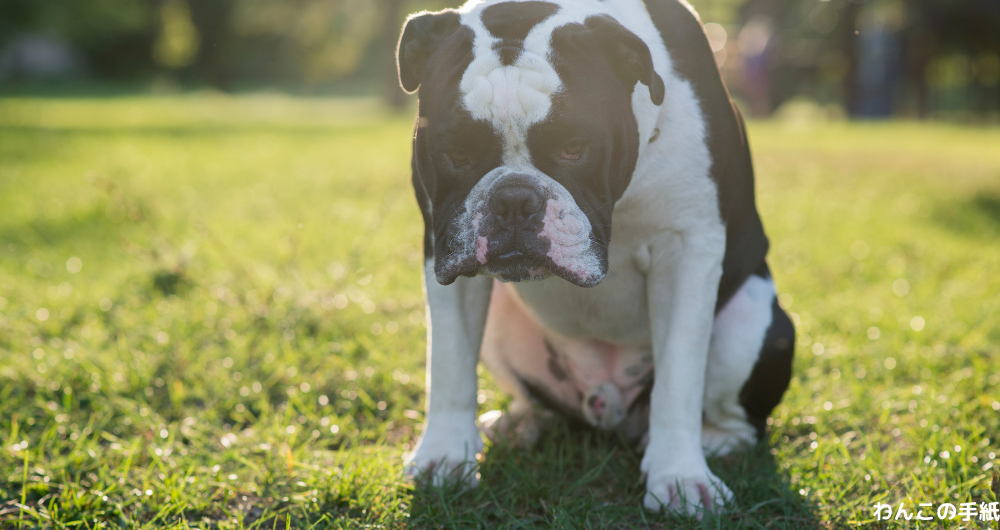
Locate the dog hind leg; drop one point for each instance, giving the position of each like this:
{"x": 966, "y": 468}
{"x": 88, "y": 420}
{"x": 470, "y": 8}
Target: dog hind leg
{"x": 773, "y": 371}
{"x": 749, "y": 366}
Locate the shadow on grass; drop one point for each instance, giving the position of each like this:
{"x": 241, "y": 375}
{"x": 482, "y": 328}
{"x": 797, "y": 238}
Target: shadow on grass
{"x": 976, "y": 217}
{"x": 580, "y": 478}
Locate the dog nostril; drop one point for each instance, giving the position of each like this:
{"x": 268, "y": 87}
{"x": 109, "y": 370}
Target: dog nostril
{"x": 515, "y": 204}
{"x": 497, "y": 205}
{"x": 532, "y": 204}
{"x": 595, "y": 403}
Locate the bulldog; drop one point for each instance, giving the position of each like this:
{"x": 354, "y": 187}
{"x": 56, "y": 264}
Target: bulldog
{"x": 542, "y": 126}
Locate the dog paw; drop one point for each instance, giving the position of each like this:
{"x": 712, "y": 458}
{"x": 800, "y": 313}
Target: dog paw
{"x": 718, "y": 441}
{"x": 686, "y": 495}
{"x": 520, "y": 425}
{"x": 442, "y": 457}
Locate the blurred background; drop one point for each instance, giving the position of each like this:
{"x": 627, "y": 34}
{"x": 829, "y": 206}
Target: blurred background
{"x": 857, "y": 58}
{"x": 210, "y": 270}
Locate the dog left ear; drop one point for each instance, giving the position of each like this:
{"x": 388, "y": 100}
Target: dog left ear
{"x": 421, "y": 36}
{"x": 629, "y": 55}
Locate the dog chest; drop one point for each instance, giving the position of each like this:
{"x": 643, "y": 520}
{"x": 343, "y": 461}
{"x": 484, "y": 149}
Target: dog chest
{"x": 615, "y": 311}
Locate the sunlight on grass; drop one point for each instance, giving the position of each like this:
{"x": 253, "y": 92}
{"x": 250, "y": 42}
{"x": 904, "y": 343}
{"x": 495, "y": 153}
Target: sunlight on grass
{"x": 211, "y": 316}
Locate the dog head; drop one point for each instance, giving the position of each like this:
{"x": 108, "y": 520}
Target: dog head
{"x": 526, "y": 135}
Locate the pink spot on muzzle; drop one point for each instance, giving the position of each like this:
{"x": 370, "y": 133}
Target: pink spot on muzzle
{"x": 481, "y": 242}
{"x": 569, "y": 238}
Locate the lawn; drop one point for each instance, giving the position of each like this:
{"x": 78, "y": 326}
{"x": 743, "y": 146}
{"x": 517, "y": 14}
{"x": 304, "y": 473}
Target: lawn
{"x": 211, "y": 316}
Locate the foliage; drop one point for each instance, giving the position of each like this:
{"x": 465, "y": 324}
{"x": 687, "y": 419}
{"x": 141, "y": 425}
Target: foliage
{"x": 112, "y": 33}
{"x": 178, "y": 40}
{"x": 211, "y": 316}
{"x": 220, "y": 41}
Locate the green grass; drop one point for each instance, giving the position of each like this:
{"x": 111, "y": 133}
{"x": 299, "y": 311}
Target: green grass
{"x": 211, "y": 316}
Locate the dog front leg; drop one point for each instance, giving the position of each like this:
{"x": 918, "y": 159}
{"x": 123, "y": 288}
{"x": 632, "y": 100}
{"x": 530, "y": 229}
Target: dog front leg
{"x": 682, "y": 284}
{"x": 456, "y": 319}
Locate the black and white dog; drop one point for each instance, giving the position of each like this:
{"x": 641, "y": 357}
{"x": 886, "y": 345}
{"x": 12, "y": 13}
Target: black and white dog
{"x": 542, "y": 125}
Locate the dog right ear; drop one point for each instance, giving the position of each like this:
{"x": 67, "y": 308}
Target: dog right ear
{"x": 422, "y": 34}
{"x": 629, "y": 55}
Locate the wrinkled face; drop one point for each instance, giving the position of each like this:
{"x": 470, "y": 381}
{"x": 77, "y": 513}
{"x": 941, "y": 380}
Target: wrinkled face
{"x": 525, "y": 140}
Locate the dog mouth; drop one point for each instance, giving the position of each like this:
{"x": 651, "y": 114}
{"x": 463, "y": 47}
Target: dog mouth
{"x": 517, "y": 265}
{"x": 513, "y": 254}
{"x": 519, "y": 233}
{"x": 515, "y": 258}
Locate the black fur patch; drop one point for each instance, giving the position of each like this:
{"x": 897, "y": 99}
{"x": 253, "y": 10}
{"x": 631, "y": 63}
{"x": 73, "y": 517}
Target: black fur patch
{"x": 442, "y": 125}
{"x": 511, "y": 22}
{"x": 540, "y": 396}
{"x": 554, "y": 366}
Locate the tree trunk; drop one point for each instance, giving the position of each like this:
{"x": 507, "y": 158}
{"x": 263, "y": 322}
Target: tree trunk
{"x": 851, "y": 52}
{"x": 212, "y": 19}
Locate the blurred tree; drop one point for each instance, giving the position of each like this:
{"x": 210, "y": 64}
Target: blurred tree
{"x": 213, "y": 64}
{"x": 116, "y": 36}
{"x": 389, "y": 37}
{"x": 327, "y": 38}
{"x": 383, "y": 51}
{"x": 718, "y": 11}
{"x": 874, "y": 57}
{"x": 178, "y": 40}
{"x": 883, "y": 57}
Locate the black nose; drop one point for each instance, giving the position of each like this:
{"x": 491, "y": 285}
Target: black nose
{"x": 515, "y": 206}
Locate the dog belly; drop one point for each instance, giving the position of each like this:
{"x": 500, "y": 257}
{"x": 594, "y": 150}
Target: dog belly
{"x": 587, "y": 377}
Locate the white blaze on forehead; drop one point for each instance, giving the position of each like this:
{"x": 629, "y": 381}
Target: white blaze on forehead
{"x": 513, "y": 98}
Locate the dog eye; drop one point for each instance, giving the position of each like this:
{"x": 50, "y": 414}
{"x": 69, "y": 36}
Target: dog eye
{"x": 572, "y": 150}
{"x": 459, "y": 157}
